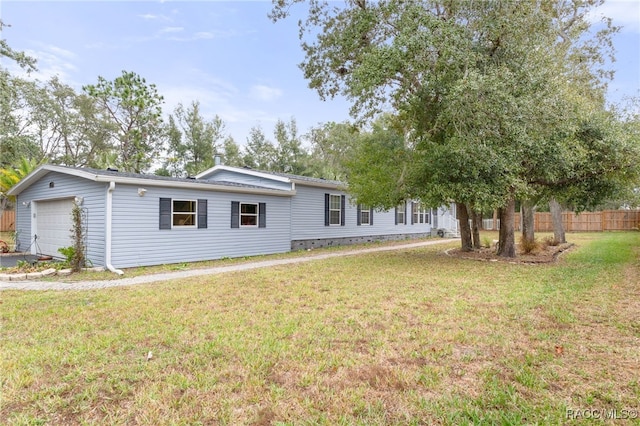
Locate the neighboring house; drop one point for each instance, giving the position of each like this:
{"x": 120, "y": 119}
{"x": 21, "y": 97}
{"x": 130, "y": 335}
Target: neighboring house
{"x": 139, "y": 220}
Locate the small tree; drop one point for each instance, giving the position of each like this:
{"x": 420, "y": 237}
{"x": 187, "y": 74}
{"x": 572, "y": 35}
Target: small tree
{"x": 133, "y": 107}
{"x": 77, "y": 259}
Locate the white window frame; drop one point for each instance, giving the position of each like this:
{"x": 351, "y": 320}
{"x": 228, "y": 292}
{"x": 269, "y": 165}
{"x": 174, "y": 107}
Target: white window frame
{"x": 401, "y": 211}
{"x": 241, "y": 214}
{"x": 420, "y": 213}
{"x": 193, "y": 213}
{"x": 339, "y": 209}
{"x": 365, "y": 210}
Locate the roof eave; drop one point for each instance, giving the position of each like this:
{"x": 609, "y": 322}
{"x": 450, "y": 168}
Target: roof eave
{"x": 327, "y": 185}
{"x": 241, "y": 170}
{"x": 42, "y": 171}
{"x": 208, "y": 186}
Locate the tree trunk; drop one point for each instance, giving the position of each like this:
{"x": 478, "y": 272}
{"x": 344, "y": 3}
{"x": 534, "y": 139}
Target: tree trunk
{"x": 556, "y": 218}
{"x": 528, "y": 210}
{"x": 506, "y": 242}
{"x": 475, "y": 229}
{"x": 465, "y": 229}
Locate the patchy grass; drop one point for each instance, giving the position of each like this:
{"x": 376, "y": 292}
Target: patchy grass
{"x": 157, "y": 269}
{"x": 403, "y": 337}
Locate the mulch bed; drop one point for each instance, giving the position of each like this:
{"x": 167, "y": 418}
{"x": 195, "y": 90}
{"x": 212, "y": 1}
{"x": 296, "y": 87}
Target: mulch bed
{"x": 544, "y": 254}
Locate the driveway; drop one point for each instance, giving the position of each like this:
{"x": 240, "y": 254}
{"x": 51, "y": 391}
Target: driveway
{"x": 145, "y": 279}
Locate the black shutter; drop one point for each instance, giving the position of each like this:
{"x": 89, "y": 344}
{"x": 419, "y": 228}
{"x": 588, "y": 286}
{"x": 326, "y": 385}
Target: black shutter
{"x": 359, "y": 218}
{"x": 342, "y": 205}
{"x": 371, "y": 216}
{"x": 165, "y": 213}
{"x": 326, "y": 209}
{"x": 202, "y": 213}
{"x": 412, "y": 207}
{"x": 405, "y": 213}
{"x": 395, "y": 211}
{"x": 262, "y": 215}
{"x": 235, "y": 214}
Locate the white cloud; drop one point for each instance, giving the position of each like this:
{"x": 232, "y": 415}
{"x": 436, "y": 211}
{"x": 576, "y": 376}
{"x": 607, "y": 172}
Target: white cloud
{"x": 623, "y": 12}
{"x": 264, "y": 93}
{"x": 58, "y": 51}
{"x": 203, "y": 35}
{"x": 152, "y": 17}
{"x": 51, "y": 61}
{"x": 222, "y": 98}
{"x": 102, "y": 45}
{"x": 166, "y": 30}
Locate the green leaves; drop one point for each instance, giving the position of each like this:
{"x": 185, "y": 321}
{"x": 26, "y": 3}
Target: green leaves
{"x": 134, "y": 107}
{"x": 193, "y": 140}
{"x": 487, "y": 98}
{"x": 488, "y": 94}
{"x": 22, "y": 59}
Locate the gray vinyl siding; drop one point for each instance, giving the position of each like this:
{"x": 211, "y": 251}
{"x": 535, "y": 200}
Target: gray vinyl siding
{"x": 65, "y": 186}
{"x": 229, "y": 176}
{"x": 307, "y": 218}
{"x": 138, "y": 241}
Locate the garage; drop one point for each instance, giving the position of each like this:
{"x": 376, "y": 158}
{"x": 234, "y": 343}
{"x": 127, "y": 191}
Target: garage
{"x": 53, "y": 226}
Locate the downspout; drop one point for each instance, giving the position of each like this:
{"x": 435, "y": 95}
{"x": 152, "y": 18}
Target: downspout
{"x": 107, "y": 239}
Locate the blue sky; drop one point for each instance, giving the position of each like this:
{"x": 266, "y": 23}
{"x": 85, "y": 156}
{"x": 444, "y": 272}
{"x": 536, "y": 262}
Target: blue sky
{"x": 227, "y": 55}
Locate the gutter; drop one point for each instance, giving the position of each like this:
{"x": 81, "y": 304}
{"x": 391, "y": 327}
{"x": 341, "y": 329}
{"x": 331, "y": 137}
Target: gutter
{"x": 107, "y": 239}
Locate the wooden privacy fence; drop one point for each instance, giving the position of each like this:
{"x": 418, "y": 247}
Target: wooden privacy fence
{"x": 7, "y": 221}
{"x": 606, "y": 220}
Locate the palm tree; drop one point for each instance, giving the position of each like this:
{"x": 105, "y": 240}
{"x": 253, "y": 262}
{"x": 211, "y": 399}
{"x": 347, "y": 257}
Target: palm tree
{"x": 11, "y": 176}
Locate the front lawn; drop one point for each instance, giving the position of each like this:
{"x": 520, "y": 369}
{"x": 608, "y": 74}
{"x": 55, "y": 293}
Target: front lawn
{"x": 403, "y": 337}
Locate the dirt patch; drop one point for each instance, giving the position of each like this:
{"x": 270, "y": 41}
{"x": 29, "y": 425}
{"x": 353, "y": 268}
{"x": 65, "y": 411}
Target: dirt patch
{"x": 543, "y": 254}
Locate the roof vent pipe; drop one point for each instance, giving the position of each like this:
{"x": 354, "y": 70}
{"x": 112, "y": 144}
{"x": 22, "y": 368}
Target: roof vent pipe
{"x": 217, "y": 160}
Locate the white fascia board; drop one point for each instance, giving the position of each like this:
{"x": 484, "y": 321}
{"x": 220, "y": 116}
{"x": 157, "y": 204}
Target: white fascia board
{"x": 39, "y": 173}
{"x": 210, "y": 171}
{"x": 206, "y": 186}
{"x": 243, "y": 171}
{"x": 327, "y": 185}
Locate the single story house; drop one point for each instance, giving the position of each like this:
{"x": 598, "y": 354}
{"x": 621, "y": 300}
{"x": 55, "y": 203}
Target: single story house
{"x": 139, "y": 220}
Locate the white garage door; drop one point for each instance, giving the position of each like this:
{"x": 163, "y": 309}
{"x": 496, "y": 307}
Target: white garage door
{"x": 53, "y": 226}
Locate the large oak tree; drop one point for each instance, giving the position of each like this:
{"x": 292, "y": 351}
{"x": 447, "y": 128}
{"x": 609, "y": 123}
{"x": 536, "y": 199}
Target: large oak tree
{"x": 478, "y": 91}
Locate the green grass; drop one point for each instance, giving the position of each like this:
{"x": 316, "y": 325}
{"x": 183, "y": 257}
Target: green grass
{"x": 146, "y": 270}
{"x": 403, "y": 337}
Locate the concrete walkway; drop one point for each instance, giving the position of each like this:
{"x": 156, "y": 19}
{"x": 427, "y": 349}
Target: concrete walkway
{"x": 145, "y": 279}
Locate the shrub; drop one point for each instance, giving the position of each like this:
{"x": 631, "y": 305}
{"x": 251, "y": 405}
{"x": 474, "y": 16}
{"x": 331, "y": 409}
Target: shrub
{"x": 486, "y": 242}
{"x": 550, "y": 241}
{"x": 529, "y": 246}
{"x": 69, "y": 254}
